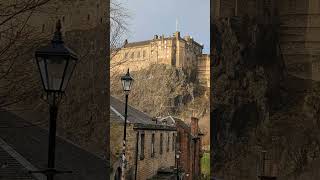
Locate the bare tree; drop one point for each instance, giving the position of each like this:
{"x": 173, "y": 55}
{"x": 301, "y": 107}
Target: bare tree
{"x": 119, "y": 17}
{"x": 17, "y": 40}
{"x": 119, "y": 25}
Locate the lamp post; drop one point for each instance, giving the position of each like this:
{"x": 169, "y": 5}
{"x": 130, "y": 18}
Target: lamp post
{"x": 56, "y": 64}
{"x": 126, "y": 81}
{"x": 177, "y": 164}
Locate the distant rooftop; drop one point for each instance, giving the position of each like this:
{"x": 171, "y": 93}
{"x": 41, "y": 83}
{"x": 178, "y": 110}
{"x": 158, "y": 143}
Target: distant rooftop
{"x": 140, "y": 119}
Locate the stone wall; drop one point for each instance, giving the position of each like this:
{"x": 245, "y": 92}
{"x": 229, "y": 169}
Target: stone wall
{"x": 74, "y": 15}
{"x": 149, "y": 166}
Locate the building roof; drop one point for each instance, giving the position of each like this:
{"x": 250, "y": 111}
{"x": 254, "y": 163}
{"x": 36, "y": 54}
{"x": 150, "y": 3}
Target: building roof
{"x": 23, "y": 147}
{"x": 134, "y": 44}
{"x": 147, "y": 42}
{"x": 140, "y": 119}
{"x": 117, "y": 108}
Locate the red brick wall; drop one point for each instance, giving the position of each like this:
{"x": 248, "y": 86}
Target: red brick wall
{"x": 189, "y": 160}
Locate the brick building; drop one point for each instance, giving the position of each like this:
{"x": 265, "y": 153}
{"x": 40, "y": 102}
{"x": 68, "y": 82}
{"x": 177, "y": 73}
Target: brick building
{"x": 150, "y": 147}
{"x": 189, "y": 143}
{"x": 182, "y": 52}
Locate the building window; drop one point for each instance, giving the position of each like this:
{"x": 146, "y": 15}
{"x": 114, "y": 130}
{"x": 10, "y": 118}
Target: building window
{"x": 100, "y": 20}
{"x": 88, "y": 17}
{"x": 168, "y": 144}
{"x": 142, "y": 147}
{"x": 161, "y": 143}
{"x": 152, "y": 146}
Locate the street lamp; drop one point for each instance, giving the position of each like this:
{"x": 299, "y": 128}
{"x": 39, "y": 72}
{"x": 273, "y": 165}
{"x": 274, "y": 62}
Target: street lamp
{"x": 56, "y": 64}
{"x": 177, "y": 164}
{"x": 127, "y": 82}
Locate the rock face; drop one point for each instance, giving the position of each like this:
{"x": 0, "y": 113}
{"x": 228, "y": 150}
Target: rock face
{"x": 258, "y": 107}
{"x": 245, "y": 90}
{"x": 163, "y": 90}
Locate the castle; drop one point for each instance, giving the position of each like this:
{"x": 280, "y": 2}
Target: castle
{"x": 299, "y": 29}
{"x": 176, "y": 51}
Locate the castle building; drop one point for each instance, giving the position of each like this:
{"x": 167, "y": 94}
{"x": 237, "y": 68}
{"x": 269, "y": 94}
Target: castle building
{"x": 203, "y": 71}
{"x": 299, "y": 29}
{"x": 176, "y": 51}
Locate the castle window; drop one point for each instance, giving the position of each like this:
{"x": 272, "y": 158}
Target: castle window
{"x": 152, "y": 146}
{"x": 142, "y": 146}
{"x": 161, "y": 143}
{"x": 168, "y": 144}
{"x": 43, "y": 26}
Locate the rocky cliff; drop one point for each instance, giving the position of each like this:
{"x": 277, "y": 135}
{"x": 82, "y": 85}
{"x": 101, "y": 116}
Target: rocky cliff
{"x": 163, "y": 90}
{"x": 258, "y": 108}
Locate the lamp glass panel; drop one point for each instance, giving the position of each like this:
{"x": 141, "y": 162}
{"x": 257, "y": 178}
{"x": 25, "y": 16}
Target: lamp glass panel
{"x": 126, "y": 84}
{"x": 55, "y": 66}
{"x": 68, "y": 73}
{"x": 42, "y": 69}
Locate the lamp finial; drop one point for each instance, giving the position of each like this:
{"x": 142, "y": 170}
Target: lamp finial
{"x": 57, "y": 38}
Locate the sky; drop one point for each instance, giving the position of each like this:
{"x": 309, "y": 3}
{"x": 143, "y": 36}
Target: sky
{"x": 151, "y": 17}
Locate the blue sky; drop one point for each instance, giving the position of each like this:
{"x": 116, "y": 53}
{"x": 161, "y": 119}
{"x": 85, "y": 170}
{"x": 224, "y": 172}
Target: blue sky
{"x": 150, "y": 17}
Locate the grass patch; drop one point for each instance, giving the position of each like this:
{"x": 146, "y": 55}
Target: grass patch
{"x": 205, "y": 164}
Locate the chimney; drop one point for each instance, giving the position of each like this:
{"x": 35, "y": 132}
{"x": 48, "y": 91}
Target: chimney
{"x": 177, "y": 34}
{"x": 187, "y": 38}
{"x": 155, "y": 119}
{"x": 194, "y": 126}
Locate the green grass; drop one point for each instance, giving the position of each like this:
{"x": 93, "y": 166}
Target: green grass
{"x": 205, "y": 164}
